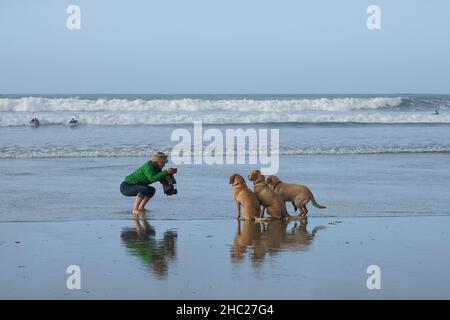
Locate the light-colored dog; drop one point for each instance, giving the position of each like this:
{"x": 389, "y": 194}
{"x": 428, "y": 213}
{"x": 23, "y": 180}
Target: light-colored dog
{"x": 298, "y": 194}
{"x": 244, "y": 197}
{"x": 268, "y": 198}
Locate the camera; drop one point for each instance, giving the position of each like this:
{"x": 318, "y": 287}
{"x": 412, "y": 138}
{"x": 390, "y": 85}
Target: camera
{"x": 169, "y": 185}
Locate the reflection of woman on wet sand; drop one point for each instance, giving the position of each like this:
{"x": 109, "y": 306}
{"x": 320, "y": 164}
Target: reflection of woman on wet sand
{"x": 154, "y": 254}
{"x": 270, "y": 237}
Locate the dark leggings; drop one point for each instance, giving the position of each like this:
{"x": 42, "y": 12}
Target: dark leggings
{"x": 131, "y": 190}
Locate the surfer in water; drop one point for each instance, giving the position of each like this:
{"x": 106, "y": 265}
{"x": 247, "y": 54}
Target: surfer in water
{"x": 436, "y": 112}
{"x": 35, "y": 122}
{"x": 73, "y": 121}
{"x": 137, "y": 184}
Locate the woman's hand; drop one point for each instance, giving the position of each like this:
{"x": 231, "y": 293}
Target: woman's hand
{"x": 172, "y": 171}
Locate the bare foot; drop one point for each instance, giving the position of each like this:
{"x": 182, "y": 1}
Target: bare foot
{"x": 142, "y": 211}
{"x": 136, "y": 213}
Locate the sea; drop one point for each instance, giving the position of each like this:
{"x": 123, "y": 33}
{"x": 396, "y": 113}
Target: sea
{"x": 361, "y": 155}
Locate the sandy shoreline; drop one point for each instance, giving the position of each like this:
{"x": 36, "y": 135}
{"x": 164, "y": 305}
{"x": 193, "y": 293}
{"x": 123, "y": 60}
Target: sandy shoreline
{"x": 213, "y": 259}
{"x": 348, "y": 185}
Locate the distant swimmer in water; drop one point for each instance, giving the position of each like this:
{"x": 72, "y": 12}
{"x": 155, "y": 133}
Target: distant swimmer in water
{"x": 35, "y": 122}
{"x": 73, "y": 121}
{"x": 435, "y": 112}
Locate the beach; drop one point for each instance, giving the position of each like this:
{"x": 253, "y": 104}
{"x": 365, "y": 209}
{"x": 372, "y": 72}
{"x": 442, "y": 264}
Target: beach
{"x": 128, "y": 131}
{"x": 206, "y": 259}
{"x": 193, "y": 248}
{"x": 386, "y": 185}
{"x": 379, "y": 164}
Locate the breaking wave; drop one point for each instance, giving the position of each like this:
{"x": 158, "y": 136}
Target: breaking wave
{"x": 101, "y": 111}
{"x": 40, "y": 104}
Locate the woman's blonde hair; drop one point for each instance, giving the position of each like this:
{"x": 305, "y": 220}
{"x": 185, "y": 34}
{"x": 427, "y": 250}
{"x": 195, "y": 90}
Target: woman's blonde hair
{"x": 159, "y": 157}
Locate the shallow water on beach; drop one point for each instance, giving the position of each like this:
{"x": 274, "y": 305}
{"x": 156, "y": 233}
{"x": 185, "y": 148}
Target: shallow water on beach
{"x": 327, "y": 258}
{"x": 349, "y": 185}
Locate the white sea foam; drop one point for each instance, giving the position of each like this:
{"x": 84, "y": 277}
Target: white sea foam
{"x": 50, "y": 111}
{"x": 141, "y": 118}
{"x": 39, "y": 104}
{"x": 17, "y": 152}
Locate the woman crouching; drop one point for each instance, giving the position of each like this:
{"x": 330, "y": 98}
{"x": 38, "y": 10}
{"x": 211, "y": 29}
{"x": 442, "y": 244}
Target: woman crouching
{"x": 137, "y": 183}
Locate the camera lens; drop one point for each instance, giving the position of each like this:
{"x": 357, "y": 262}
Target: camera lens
{"x": 171, "y": 191}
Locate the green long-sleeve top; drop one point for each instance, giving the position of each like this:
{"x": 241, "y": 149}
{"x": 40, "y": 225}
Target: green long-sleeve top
{"x": 147, "y": 174}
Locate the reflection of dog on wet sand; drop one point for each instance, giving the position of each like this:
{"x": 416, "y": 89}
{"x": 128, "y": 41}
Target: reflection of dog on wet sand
{"x": 300, "y": 236}
{"x": 270, "y": 237}
{"x": 298, "y": 194}
{"x": 245, "y": 237}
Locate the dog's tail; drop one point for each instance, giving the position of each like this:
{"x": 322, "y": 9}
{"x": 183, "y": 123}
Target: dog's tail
{"x": 315, "y": 204}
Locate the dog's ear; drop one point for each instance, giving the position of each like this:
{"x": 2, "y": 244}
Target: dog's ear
{"x": 232, "y": 178}
{"x": 259, "y": 174}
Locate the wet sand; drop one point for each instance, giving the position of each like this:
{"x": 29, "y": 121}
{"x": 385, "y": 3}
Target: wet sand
{"x": 217, "y": 259}
{"x": 386, "y": 185}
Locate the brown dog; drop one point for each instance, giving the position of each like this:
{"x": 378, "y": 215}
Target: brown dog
{"x": 268, "y": 198}
{"x": 298, "y": 194}
{"x": 244, "y": 197}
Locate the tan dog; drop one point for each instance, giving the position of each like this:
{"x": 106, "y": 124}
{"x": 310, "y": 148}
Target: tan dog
{"x": 298, "y": 194}
{"x": 244, "y": 197}
{"x": 268, "y": 198}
